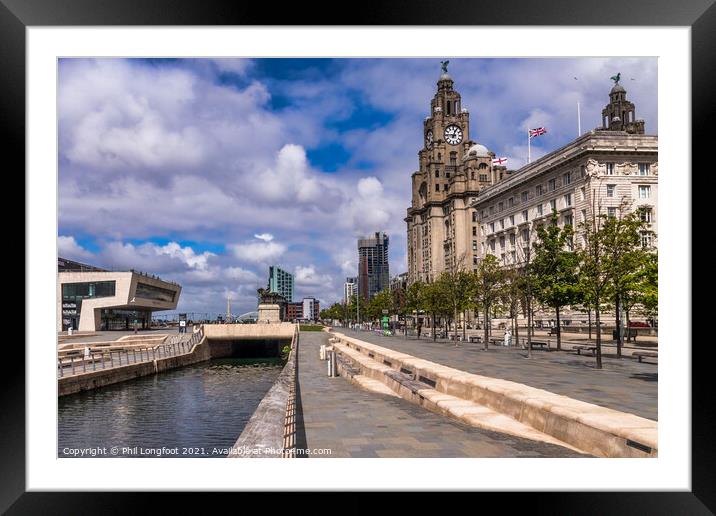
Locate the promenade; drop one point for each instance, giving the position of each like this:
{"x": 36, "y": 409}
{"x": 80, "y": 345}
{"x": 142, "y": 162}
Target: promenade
{"x": 622, "y": 384}
{"x": 352, "y": 422}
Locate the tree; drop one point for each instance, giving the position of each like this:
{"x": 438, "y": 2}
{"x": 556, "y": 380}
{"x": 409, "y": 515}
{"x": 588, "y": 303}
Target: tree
{"x": 436, "y": 301}
{"x": 381, "y": 301}
{"x": 415, "y": 300}
{"x": 555, "y": 268}
{"x": 594, "y": 270}
{"x": 488, "y": 282}
{"x": 335, "y": 312}
{"x": 458, "y": 286}
{"x": 649, "y": 290}
{"x": 513, "y": 296}
{"x": 624, "y": 254}
{"x": 399, "y": 301}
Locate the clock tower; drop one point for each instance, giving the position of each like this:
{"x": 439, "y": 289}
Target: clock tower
{"x": 452, "y": 169}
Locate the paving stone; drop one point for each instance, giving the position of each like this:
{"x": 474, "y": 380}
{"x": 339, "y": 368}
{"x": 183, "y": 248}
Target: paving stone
{"x": 356, "y": 423}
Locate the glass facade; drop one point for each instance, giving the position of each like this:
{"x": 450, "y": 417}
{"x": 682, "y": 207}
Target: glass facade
{"x": 114, "y": 319}
{"x": 74, "y": 293}
{"x": 146, "y": 291}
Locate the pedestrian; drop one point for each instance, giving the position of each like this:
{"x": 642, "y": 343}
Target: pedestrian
{"x": 508, "y": 337}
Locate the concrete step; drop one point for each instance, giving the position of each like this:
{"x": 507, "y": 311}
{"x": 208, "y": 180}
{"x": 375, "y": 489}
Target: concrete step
{"x": 403, "y": 385}
{"x": 596, "y": 430}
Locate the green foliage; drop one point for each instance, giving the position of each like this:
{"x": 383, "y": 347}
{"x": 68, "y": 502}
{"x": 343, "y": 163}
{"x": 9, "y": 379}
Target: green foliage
{"x": 554, "y": 266}
{"x": 310, "y": 327}
{"x": 336, "y": 311}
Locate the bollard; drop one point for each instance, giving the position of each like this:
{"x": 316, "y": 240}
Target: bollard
{"x": 322, "y": 352}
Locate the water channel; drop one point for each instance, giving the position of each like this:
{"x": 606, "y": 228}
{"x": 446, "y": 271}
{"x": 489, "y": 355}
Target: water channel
{"x": 185, "y": 412}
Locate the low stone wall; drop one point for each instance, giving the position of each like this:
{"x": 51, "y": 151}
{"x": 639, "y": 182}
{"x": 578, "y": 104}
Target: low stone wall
{"x": 92, "y": 380}
{"x": 249, "y": 331}
{"x": 271, "y": 431}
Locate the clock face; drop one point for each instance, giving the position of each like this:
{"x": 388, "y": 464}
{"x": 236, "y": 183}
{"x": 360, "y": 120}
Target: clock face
{"x": 429, "y": 139}
{"x": 453, "y": 134}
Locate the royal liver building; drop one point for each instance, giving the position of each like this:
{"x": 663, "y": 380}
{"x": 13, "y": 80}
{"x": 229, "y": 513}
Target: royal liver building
{"x": 464, "y": 207}
{"x": 442, "y": 231}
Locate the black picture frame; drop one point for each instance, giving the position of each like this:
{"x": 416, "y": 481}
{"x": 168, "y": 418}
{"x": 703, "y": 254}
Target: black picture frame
{"x": 700, "y": 15}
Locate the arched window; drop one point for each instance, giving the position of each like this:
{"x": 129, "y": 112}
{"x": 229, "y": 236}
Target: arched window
{"x": 482, "y": 166}
{"x": 472, "y": 174}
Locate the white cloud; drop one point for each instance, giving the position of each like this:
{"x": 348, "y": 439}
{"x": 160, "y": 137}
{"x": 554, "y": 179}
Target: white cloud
{"x": 67, "y": 247}
{"x": 148, "y": 152}
{"x": 309, "y": 277}
{"x": 186, "y": 254}
{"x": 232, "y": 65}
{"x": 258, "y": 252}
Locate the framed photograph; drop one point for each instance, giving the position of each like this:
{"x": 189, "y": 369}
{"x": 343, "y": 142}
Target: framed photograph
{"x": 431, "y": 242}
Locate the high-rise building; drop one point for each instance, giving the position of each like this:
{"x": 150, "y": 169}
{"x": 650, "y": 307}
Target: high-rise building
{"x": 350, "y": 289}
{"x": 373, "y": 268}
{"x": 281, "y": 282}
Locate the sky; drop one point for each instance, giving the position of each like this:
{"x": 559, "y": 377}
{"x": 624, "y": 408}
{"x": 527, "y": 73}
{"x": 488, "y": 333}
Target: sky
{"x": 207, "y": 171}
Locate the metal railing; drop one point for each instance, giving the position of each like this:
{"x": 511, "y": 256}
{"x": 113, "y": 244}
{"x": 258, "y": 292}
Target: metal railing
{"x": 69, "y": 364}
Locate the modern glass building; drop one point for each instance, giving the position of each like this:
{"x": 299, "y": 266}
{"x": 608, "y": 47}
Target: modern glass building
{"x": 281, "y": 282}
{"x": 373, "y": 269}
{"x": 91, "y": 299}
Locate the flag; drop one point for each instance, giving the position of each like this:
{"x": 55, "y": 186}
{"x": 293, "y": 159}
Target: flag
{"x": 537, "y": 132}
{"x": 499, "y": 161}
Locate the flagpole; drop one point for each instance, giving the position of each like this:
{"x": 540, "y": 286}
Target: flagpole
{"x": 579, "y": 122}
{"x": 529, "y": 150}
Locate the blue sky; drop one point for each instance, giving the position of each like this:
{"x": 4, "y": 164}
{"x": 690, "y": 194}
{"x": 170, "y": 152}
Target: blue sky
{"x": 207, "y": 171}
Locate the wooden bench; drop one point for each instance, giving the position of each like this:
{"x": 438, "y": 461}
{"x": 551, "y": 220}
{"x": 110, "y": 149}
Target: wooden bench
{"x": 541, "y": 343}
{"x": 578, "y": 349}
{"x": 474, "y": 338}
{"x": 641, "y": 354}
{"x": 553, "y": 331}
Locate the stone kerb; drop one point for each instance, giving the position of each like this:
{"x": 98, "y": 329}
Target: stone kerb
{"x": 598, "y": 430}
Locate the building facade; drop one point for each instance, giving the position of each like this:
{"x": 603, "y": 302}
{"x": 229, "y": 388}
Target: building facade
{"x": 607, "y": 170}
{"x": 452, "y": 169}
{"x": 311, "y": 308}
{"x": 350, "y": 289}
{"x": 373, "y": 267}
{"x": 464, "y": 207}
{"x": 92, "y": 299}
{"x": 281, "y": 282}
{"x": 399, "y": 282}
{"x": 305, "y": 310}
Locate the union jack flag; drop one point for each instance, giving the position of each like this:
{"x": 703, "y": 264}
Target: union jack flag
{"x": 537, "y": 132}
{"x": 499, "y": 161}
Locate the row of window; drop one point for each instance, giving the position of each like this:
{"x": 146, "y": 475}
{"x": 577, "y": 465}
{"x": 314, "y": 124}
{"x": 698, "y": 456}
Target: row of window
{"x": 539, "y": 212}
{"x": 552, "y": 185}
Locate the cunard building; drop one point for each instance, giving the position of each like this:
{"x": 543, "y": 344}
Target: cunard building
{"x": 464, "y": 208}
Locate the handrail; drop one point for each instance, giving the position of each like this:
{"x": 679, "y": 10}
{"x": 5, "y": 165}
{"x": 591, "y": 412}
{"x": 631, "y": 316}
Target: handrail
{"x": 109, "y": 359}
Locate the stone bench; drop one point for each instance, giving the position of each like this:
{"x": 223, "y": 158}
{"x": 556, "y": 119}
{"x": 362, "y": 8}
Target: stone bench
{"x": 641, "y": 354}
